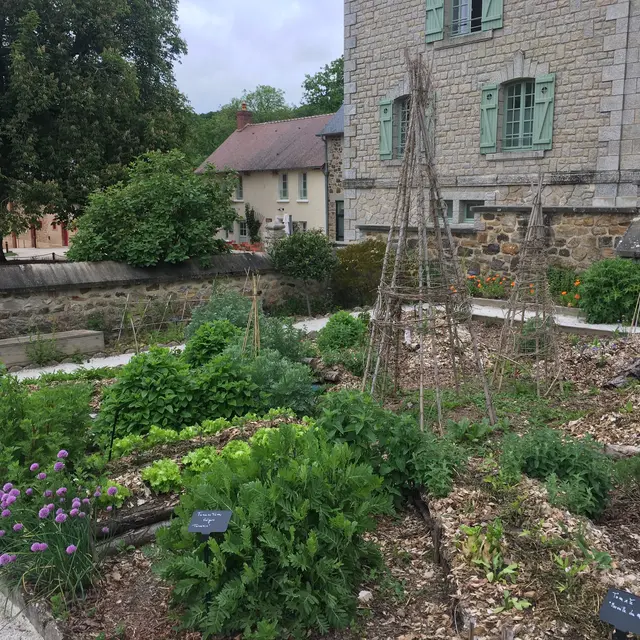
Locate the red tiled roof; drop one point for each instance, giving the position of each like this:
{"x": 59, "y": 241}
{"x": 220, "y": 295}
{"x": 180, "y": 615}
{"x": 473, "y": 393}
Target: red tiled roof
{"x": 273, "y": 146}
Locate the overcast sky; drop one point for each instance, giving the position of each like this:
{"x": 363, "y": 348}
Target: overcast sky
{"x": 239, "y": 44}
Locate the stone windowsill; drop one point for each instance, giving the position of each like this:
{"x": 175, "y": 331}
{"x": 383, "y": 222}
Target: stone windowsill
{"x": 516, "y": 155}
{"x": 470, "y": 38}
{"x": 303, "y": 200}
{"x": 282, "y": 201}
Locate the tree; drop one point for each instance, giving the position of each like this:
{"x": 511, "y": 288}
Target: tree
{"x": 267, "y": 104}
{"x": 85, "y": 87}
{"x": 306, "y": 256}
{"x": 164, "y": 212}
{"x": 324, "y": 91}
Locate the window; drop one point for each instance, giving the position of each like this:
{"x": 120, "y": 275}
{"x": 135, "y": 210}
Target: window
{"x": 339, "y": 221}
{"x": 518, "y": 115}
{"x": 466, "y": 17}
{"x": 466, "y": 205}
{"x": 303, "y": 193}
{"x": 239, "y": 189}
{"x": 299, "y": 226}
{"x": 462, "y": 17}
{"x": 284, "y": 187}
{"x": 394, "y": 126}
{"x": 522, "y": 111}
{"x": 244, "y": 231}
{"x": 449, "y": 204}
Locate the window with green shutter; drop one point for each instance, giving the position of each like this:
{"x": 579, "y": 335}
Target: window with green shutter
{"x": 545, "y": 93}
{"x": 386, "y": 129}
{"x": 518, "y": 115}
{"x": 489, "y": 119}
{"x": 394, "y": 126}
{"x": 457, "y": 18}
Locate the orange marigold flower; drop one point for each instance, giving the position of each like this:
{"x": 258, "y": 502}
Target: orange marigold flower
{"x": 564, "y": 293}
{"x": 513, "y": 284}
{"x": 577, "y": 296}
{"x": 576, "y": 283}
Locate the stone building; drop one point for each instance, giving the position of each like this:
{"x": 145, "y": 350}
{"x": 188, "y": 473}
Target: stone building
{"x": 333, "y": 135}
{"x": 523, "y": 88}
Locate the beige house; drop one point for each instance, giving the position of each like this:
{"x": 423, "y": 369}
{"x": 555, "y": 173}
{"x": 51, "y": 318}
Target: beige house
{"x": 281, "y": 172}
{"x": 47, "y": 233}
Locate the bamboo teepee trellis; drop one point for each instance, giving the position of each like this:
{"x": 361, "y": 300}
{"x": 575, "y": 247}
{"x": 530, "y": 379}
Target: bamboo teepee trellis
{"x": 528, "y": 338}
{"x": 423, "y": 307}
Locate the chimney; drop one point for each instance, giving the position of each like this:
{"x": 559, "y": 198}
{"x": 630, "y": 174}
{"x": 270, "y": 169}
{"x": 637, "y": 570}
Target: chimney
{"x": 244, "y": 117}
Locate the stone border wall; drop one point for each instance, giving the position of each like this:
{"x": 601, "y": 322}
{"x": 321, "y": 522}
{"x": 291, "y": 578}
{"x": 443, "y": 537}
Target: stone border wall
{"x": 49, "y": 298}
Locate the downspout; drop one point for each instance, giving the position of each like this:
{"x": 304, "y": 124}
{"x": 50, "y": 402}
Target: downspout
{"x": 326, "y": 186}
{"x": 624, "y": 98}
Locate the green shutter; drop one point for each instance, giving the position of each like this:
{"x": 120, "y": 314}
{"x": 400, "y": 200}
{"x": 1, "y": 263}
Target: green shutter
{"x": 543, "y": 112}
{"x": 491, "y": 14}
{"x": 435, "y": 20}
{"x": 430, "y": 117}
{"x": 386, "y": 129}
{"x": 489, "y": 119}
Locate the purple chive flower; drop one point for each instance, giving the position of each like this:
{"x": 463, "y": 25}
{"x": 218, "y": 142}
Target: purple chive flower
{"x": 76, "y": 503}
{"x": 5, "y": 558}
{"x": 39, "y": 546}
{"x": 105, "y": 529}
{"x": 86, "y": 501}
{"x": 2, "y": 532}
{"x": 10, "y": 500}
{"x": 112, "y": 491}
{"x": 18, "y": 526}
{"x": 61, "y": 517}
{"x": 7, "y": 487}
{"x": 43, "y": 513}
{"x": 5, "y": 513}
{"x": 41, "y": 475}
{"x": 61, "y": 491}
{"x": 48, "y": 493}
{"x": 74, "y": 512}
{"x": 59, "y": 511}
{"x": 109, "y": 508}
{"x": 34, "y": 467}
{"x": 82, "y": 514}
{"x": 61, "y": 500}
{"x": 97, "y": 494}
{"x": 63, "y": 454}
{"x": 71, "y": 549}
{"x": 58, "y": 466}
{"x": 29, "y": 491}
{"x": 51, "y": 507}
{"x": 14, "y": 492}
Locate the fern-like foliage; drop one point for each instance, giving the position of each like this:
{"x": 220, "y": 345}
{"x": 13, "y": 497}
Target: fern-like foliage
{"x": 293, "y": 556}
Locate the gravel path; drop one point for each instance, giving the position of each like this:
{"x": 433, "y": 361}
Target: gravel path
{"x": 13, "y": 624}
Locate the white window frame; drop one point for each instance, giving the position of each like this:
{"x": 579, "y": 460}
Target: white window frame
{"x": 243, "y": 237}
{"x": 283, "y": 187}
{"x": 239, "y": 195}
{"x": 303, "y": 187}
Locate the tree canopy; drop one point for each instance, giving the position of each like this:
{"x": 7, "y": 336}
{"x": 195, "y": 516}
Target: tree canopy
{"x": 85, "y": 87}
{"x": 324, "y": 91}
{"x": 163, "y": 212}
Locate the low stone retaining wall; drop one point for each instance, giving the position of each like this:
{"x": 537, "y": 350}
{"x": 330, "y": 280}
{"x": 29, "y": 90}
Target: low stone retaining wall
{"x": 52, "y": 298}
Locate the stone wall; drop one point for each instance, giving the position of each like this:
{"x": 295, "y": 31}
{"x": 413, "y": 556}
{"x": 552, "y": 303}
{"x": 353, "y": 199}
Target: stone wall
{"x": 64, "y": 296}
{"x": 334, "y": 177}
{"x": 595, "y": 158}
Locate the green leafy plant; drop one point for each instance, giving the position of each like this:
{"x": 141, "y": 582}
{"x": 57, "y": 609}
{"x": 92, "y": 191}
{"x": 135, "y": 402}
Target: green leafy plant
{"x": 392, "y": 444}
{"x": 164, "y": 212}
{"x": 510, "y": 602}
{"x": 343, "y": 331}
{"x": 306, "y": 256}
{"x": 609, "y": 290}
{"x": 578, "y": 474}
{"x": 293, "y": 556}
{"x": 483, "y": 546}
{"x": 357, "y": 275}
{"x": 468, "y": 431}
{"x": 279, "y": 334}
{"x": 253, "y": 223}
{"x": 155, "y": 388}
{"x": 224, "y": 304}
{"x": 209, "y": 340}
{"x": 43, "y": 351}
{"x": 564, "y": 286}
{"x": 353, "y": 360}
{"x": 163, "y": 476}
{"x": 493, "y": 285}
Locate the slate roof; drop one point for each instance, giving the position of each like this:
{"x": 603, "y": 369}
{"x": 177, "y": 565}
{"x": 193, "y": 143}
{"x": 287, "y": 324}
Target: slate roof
{"x": 273, "y": 146}
{"x": 335, "y": 126}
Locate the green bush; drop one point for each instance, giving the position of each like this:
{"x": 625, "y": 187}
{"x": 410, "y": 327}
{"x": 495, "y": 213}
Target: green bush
{"x": 34, "y": 426}
{"x": 580, "y": 474}
{"x": 224, "y": 304}
{"x": 564, "y": 285}
{"x": 391, "y": 443}
{"x": 293, "y": 557}
{"x": 609, "y": 290}
{"x": 155, "y": 388}
{"x": 357, "y": 276}
{"x": 209, "y": 340}
{"x": 163, "y": 476}
{"x": 353, "y": 360}
{"x": 280, "y": 335}
{"x": 343, "y": 331}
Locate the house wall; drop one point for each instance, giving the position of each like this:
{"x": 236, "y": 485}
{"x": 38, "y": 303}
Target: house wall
{"x": 591, "y": 45}
{"x": 49, "y": 235}
{"x": 261, "y": 191}
{"x": 334, "y": 177}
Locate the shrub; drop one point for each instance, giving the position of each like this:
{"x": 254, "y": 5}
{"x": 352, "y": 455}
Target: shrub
{"x": 35, "y": 425}
{"x": 224, "y": 304}
{"x": 357, "y": 275}
{"x": 43, "y": 351}
{"x": 392, "y": 444}
{"x": 209, "y": 340}
{"x": 490, "y": 286}
{"x": 154, "y": 388}
{"x": 353, "y": 360}
{"x": 343, "y": 331}
{"x": 564, "y": 285}
{"x": 580, "y": 473}
{"x": 49, "y": 551}
{"x": 293, "y": 556}
{"x": 280, "y": 335}
{"x": 163, "y": 476}
{"x": 610, "y": 290}
{"x": 306, "y": 256}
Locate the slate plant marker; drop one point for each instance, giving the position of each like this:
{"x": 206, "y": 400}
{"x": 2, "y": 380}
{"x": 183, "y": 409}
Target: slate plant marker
{"x": 621, "y": 610}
